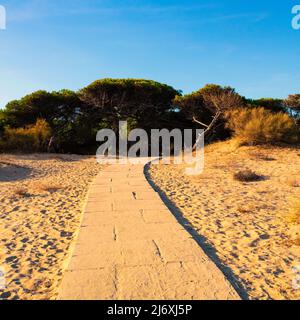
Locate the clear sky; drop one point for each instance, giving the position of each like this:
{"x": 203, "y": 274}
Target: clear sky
{"x": 55, "y": 44}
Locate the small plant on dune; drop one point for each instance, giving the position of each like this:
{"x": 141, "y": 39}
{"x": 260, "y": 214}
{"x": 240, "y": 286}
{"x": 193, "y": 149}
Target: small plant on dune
{"x": 260, "y": 126}
{"x": 263, "y": 157}
{"x": 246, "y": 209}
{"x": 30, "y": 139}
{"x": 247, "y": 176}
{"x": 51, "y": 188}
{"x": 21, "y": 192}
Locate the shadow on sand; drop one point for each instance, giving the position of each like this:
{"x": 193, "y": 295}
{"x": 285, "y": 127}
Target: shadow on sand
{"x": 10, "y": 172}
{"x": 201, "y": 240}
{"x": 50, "y": 156}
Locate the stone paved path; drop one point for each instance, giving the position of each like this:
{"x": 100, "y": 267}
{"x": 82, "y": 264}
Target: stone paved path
{"x": 130, "y": 246}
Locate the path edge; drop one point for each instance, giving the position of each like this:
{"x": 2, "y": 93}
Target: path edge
{"x": 73, "y": 244}
{"x": 208, "y": 250}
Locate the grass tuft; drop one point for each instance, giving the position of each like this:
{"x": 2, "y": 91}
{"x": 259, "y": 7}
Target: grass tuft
{"x": 51, "y": 188}
{"x": 247, "y": 176}
{"x": 22, "y": 192}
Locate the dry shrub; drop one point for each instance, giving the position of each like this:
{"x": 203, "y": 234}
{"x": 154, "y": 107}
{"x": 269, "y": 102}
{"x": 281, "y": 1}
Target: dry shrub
{"x": 263, "y": 157}
{"x": 30, "y": 139}
{"x": 246, "y": 209}
{"x": 51, "y": 188}
{"x": 21, "y": 192}
{"x": 260, "y": 126}
{"x": 247, "y": 176}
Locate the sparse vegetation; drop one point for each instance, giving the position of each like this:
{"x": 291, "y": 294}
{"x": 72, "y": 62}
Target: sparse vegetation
{"x": 260, "y": 126}
{"x": 21, "y": 192}
{"x": 33, "y": 138}
{"x": 51, "y": 188}
{"x": 273, "y": 105}
{"x": 262, "y": 157}
{"x": 207, "y": 107}
{"x": 74, "y": 118}
{"x": 246, "y": 208}
{"x": 247, "y": 176}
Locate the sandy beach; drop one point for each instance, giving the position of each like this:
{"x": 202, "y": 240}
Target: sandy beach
{"x": 246, "y": 224}
{"x": 41, "y": 198}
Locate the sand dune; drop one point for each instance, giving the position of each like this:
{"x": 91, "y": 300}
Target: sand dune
{"x": 245, "y": 223}
{"x": 41, "y": 200}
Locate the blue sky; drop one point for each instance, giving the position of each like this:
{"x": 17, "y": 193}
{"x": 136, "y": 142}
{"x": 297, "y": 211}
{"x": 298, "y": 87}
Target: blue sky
{"x": 56, "y": 44}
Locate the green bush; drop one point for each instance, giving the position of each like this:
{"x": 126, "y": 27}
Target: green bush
{"x": 274, "y": 105}
{"x": 258, "y": 126}
{"x": 33, "y": 138}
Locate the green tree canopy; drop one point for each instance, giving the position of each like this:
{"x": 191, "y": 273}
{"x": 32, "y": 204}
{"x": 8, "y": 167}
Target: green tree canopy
{"x": 208, "y": 105}
{"x": 209, "y": 101}
{"x": 119, "y": 99}
{"x": 55, "y": 107}
{"x": 274, "y": 105}
{"x": 62, "y": 110}
{"x": 293, "y": 101}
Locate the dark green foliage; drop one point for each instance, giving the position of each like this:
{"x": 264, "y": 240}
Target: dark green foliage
{"x": 293, "y": 105}
{"x": 145, "y": 101}
{"x": 63, "y": 111}
{"x": 207, "y": 107}
{"x": 274, "y": 105}
{"x": 75, "y": 117}
{"x": 2, "y": 121}
{"x": 33, "y": 138}
{"x": 293, "y": 101}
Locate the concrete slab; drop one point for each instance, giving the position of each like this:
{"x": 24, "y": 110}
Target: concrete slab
{"x": 130, "y": 246}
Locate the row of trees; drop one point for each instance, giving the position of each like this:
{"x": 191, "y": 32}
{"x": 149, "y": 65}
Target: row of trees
{"x": 75, "y": 117}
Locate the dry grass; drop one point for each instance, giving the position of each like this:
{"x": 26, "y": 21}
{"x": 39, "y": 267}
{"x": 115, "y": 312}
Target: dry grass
{"x": 246, "y": 208}
{"x": 31, "y": 138}
{"x": 260, "y": 126}
{"x": 247, "y": 176}
{"x": 262, "y": 157}
{"x": 21, "y": 192}
{"x": 48, "y": 187}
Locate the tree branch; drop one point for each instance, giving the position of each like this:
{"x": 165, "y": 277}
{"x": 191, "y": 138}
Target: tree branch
{"x": 201, "y": 123}
{"x": 215, "y": 119}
